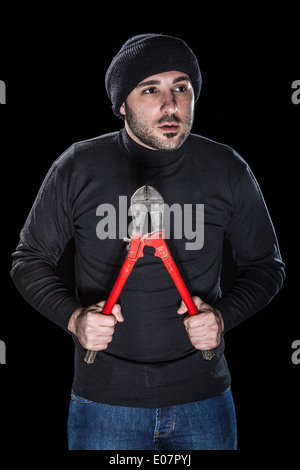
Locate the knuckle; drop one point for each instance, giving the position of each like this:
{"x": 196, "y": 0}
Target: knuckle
{"x": 89, "y": 345}
{"x": 90, "y": 318}
{"x": 105, "y": 321}
{"x": 88, "y": 329}
{"x": 107, "y": 341}
{"x": 191, "y": 322}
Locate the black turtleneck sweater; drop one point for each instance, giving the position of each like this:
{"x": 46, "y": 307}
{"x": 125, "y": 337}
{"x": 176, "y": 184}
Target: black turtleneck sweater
{"x": 150, "y": 362}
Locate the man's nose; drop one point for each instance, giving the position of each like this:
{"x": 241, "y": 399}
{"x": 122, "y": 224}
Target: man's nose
{"x": 169, "y": 105}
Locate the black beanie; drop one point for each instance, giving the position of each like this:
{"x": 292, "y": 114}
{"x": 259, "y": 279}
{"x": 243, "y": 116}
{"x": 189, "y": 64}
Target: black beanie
{"x": 145, "y": 55}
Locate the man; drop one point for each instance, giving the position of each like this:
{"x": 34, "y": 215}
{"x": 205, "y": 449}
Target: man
{"x": 150, "y": 387}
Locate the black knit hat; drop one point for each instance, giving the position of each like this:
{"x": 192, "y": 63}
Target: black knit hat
{"x": 145, "y": 55}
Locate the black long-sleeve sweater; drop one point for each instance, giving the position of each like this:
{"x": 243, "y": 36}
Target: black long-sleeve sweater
{"x": 150, "y": 362}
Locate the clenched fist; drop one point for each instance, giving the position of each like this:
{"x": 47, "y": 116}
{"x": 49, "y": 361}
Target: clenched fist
{"x": 204, "y": 329}
{"x": 95, "y": 330}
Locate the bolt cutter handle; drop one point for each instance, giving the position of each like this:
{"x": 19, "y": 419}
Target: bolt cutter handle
{"x": 163, "y": 252}
{"x": 135, "y": 252}
{"x": 157, "y": 240}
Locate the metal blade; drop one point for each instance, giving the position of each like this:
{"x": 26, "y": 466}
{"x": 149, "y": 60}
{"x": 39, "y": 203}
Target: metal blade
{"x": 146, "y": 200}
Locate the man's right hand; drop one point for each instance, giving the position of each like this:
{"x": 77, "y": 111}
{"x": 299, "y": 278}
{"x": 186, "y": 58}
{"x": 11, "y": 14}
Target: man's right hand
{"x": 95, "y": 330}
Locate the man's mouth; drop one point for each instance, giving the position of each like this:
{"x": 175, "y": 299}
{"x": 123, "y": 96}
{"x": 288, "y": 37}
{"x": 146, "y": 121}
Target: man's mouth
{"x": 169, "y": 127}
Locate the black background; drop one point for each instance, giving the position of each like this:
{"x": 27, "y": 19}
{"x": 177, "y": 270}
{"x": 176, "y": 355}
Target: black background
{"x": 53, "y": 61}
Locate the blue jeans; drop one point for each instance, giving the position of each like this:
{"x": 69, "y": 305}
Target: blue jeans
{"x": 204, "y": 425}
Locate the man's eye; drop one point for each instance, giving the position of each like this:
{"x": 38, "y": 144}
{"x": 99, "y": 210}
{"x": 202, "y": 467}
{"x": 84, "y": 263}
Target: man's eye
{"x": 181, "y": 88}
{"x": 149, "y": 91}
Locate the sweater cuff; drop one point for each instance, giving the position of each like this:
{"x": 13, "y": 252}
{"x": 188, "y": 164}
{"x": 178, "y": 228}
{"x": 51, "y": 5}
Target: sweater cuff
{"x": 224, "y": 306}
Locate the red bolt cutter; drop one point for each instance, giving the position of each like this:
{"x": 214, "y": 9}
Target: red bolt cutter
{"x": 147, "y": 200}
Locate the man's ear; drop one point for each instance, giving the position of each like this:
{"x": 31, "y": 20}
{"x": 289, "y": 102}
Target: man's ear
{"x": 123, "y": 109}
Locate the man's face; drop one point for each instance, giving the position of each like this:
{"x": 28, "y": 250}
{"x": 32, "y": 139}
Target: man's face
{"x": 159, "y": 112}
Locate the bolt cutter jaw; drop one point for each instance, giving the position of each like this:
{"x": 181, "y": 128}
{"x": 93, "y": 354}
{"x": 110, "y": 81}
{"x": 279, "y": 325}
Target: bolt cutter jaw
{"x": 146, "y": 200}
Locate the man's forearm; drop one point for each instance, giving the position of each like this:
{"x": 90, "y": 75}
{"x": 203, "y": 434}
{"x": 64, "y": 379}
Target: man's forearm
{"x": 38, "y": 283}
{"x": 251, "y": 292}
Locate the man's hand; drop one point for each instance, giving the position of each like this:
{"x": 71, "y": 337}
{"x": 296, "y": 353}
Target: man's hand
{"x": 205, "y": 329}
{"x": 93, "y": 329}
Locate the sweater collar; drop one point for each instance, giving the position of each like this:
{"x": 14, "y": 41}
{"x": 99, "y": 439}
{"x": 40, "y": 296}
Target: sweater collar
{"x": 148, "y": 157}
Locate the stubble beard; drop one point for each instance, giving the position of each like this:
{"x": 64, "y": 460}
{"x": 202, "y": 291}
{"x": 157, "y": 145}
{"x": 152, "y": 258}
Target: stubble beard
{"x": 169, "y": 140}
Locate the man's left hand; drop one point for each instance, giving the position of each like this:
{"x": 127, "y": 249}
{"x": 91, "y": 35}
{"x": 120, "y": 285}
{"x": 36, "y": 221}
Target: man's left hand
{"x": 204, "y": 329}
